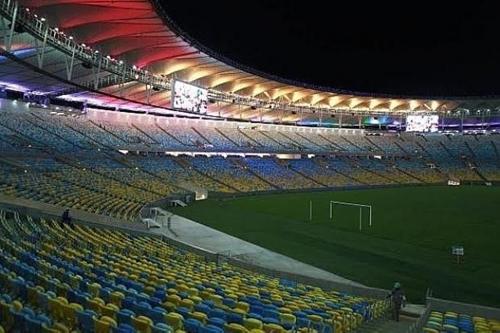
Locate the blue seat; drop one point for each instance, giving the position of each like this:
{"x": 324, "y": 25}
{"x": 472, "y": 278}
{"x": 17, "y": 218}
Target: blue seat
{"x": 215, "y": 321}
{"x": 255, "y": 316}
{"x": 268, "y": 313}
{"x": 183, "y": 311}
{"x": 86, "y": 320}
{"x": 229, "y": 302}
{"x": 217, "y": 313}
{"x": 124, "y": 316}
{"x": 128, "y": 302}
{"x": 142, "y": 308}
{"x": 157, "y": 314}
{"x": 303, "y": 322}
{"x": 211, "y": 329}
{"x": 269, "y": 320}
{"x": 155, "y": 302}
{"x": 124, "y": 328}
{"x": 161, "y": 328}
{"x": 202, "y": 308}
{"x": 33, "y": 325}
{"x": 160, "y": 294}
{"x": 233, "y": 317}
{"x": 258, "y": 309}
{"x": 192, "y": 325}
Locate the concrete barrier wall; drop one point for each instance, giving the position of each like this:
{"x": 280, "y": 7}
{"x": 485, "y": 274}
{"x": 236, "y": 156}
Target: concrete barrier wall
{"x": 319, "y": 189}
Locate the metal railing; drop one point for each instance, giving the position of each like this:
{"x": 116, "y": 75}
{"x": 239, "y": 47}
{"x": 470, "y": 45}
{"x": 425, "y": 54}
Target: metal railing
{"x": 39, "y": 28}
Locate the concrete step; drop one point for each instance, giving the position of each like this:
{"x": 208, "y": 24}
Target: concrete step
{"x": 387, "y": 326}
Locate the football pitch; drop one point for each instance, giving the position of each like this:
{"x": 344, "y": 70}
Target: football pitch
{"x": 410, "y": 240}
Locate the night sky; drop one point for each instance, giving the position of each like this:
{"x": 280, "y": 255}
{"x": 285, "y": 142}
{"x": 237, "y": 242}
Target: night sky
{"x": 419, "y": 48}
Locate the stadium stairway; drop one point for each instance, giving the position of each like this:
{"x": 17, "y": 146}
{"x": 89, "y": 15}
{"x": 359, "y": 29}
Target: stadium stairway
{"x": 185, "y": 164}
{"x": 153, "y": 141}
{"x": 172, "y": 136}
{"x": 471, "y": 151}
{"x": 411, "y": 175}
{"x": 386, "y": 325}
{"x": 331, "y": 142}
{"x": 242, "y": 163}
{"x": 203, "y": 137}
{"x": 323, "y": 163}
{"x": 88, "y": 137}
{"x": 107, "y": 131}
{"x": 226, "y": 137}
{"x": 258, "y": 144}
{"x": 273, "y": 139}
{"x": 51, "y": 133}
{"x": 447, "y": 149}
{"x": 402, "y": 148}
{"x": 298, "y": 144}
{"x": 476, "y": 170}
{"x": 370, "y": 141}
{"x": 320, "y": 184}
{"x": 310, "y": 141}
{"x": 349, "y": 142}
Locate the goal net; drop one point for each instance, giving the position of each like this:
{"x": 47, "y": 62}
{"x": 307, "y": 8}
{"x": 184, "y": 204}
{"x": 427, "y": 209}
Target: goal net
{"x": 361, "y": 209}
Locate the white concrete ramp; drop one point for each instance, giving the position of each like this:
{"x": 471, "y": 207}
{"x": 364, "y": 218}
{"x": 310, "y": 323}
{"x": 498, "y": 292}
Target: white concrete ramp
{"x": 199, "y": 235}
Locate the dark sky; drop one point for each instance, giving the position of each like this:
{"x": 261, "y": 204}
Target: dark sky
{"x": 400, "y": 47}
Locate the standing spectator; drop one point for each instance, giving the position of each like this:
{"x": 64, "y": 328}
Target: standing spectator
{"x": 398, "y": 299}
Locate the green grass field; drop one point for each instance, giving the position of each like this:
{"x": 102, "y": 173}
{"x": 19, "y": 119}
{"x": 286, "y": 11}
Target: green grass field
{"x": 410, "y": 240}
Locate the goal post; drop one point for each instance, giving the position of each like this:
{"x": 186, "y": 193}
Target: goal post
{"x": 352, "y": 204}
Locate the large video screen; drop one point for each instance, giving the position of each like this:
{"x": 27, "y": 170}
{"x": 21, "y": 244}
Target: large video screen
{"x": 422, "y": 123}
{"x": 189, "y": 97}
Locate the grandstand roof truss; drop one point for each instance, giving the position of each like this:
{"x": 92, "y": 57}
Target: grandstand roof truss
{"x": 134, "y": 33}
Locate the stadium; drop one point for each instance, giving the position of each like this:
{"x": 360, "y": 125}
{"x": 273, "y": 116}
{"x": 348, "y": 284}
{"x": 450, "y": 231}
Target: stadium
{"x": 151, "y": 184}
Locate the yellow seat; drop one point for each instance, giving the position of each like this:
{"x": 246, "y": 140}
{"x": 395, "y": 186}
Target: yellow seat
{"x": 142, "y": 324}
{"x": 429, "y": 330}
{"x": 187, "y": 303}
{"x": 110, "y": 310}
{"x": 116, "y": 298}
{"x": 96, "y": 304}
{"x": 104, "y": 324}
{"x": 174, "y": 320}
{"x": 94, "y": 289}
{"x": 200, "y": 316}
{"x": 175, "y": 299}
{"x": 288, "y": 319}
{"x": 69, "y": 311}
{"x": 243, "y": 306}
{"x": 273, "y": 328}
{"x": 235, "y": 328}
{"x": 252, "y": 323}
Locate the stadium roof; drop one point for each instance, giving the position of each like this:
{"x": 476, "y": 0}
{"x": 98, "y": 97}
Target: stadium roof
{"x": 139, "y": 33}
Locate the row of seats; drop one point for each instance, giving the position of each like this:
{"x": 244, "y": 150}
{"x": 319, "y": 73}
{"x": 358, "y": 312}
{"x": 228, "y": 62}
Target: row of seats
{"x": 452, "y": 322}
{"x": 70, "y": 132}
{"x": 61, "y": 278}
{"x": 98, "y": 183}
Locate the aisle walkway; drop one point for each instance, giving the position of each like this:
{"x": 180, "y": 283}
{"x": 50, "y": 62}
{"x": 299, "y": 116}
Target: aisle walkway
{"x": 188, "y": 231}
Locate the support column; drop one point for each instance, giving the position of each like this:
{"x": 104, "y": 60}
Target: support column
{"x": 8, "y": 45}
